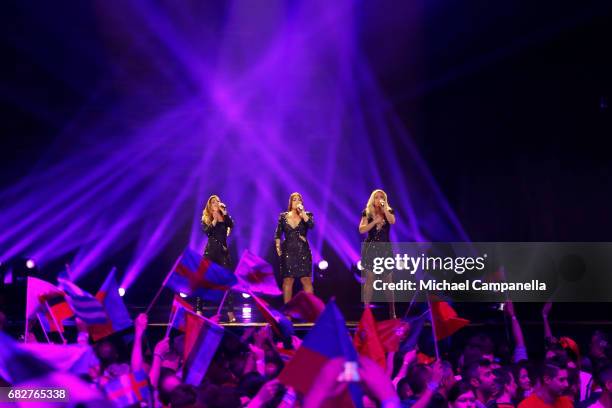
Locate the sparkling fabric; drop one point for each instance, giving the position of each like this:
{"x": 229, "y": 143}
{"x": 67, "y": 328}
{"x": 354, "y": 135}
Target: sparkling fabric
{"x": 216, "y": 248}
{"x": 371, "y": 250}
{"x": 296, "y": 258}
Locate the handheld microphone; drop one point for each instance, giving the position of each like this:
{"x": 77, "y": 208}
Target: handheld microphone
{"x": 222, "y": 205}
{"x": 300, "y": 207}
{"x": 382, "y": 203}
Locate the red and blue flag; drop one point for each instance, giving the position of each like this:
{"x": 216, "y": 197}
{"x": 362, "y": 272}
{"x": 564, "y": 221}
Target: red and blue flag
{"x": 194, "y": 275}
{"x": 328, "y": 339}
{"x": 202, "y": 338}
{"x": 129, "y": 389}
{"x": 118, "y": 317}
{"x": 178, "y": 312}
{"x": 278, "y": 321}
{"x": 256, "y": 275}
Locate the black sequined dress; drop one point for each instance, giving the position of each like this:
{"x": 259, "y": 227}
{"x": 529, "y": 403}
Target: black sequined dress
{"x": 376, "y": 243}
{"x": 216, "y": 248}
{"x": 296, "y": 258}
{"x": 217, "y": 251}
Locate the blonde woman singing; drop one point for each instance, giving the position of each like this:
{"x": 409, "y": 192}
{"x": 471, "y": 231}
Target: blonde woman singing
{"x": 217, "y": 225}
{"x": 376, "y": 221}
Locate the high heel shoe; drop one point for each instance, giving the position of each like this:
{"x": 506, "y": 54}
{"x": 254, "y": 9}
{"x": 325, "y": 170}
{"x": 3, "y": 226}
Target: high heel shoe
{"x": 231, "y": 317}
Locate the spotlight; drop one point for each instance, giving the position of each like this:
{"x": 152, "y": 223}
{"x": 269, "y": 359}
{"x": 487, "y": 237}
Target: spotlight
{"x": 359, "y": 266}
{"x": 323, "y": 264}
{"x": 30, "y": 264}
{"x": 121, "y": 292}
{"x": 183, "y": 295}
{"x": 246, "y": 295}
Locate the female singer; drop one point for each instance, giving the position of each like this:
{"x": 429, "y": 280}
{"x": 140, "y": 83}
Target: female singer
{"x": 294, "y": 251}
{"x": 217, "y": 225}
{"x": 376, "y": 221}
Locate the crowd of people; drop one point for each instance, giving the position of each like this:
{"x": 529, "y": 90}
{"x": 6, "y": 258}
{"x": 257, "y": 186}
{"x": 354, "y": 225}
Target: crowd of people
{"x": 245, "y": 367}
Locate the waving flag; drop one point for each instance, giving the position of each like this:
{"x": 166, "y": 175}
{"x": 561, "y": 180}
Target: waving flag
{"x": 129, "y": 389}
{"x": 366, "y": 340}
{"x": 118, "y": 317}
{"x": 202, "y": 338}
{"x": 391, "y": 333}
{"x": 328, "y": 339}
{"x": 304, "y": 306}
{"x": 178, "y": 312}
{"x": 39, "y": 292}
{"x": 198, "y": 276}
{"x": 256, "y": 275}
{"x": 445, "y": 319}
{"x": 74, "y": 358}
{"x": 416, "y": 325}
{"x": 21, "y": 368}
{"x": 278, "y": 321}
{"x": 55, "y": 311}
{"x": 85, "y": 306}
{"x": 48, "y": 303}
{"x": 18, "y": 365}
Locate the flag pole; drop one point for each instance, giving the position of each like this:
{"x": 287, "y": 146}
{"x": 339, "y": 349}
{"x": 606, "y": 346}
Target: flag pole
{"x": 169, "y": 328}
{"x": 411, "y": 303}
{"x": 55, "y": 322}
{"x": 223, "y": 301}
{"x": 433, "y": 329}
{"x": 42, "y": 326}
{"x": 159, "y": 291}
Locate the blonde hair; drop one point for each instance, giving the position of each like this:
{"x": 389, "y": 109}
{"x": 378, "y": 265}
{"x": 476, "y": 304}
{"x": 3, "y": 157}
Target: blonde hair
{"x": 370, "y": 206}
{"x": 207, "y": 215}
{"x": 291, "y": 198}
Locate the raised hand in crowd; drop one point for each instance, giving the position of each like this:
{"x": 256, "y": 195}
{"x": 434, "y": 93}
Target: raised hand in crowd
{"x": 377, "y": 384}
{"x": 520, "y": 349}
{"x": 265, "y": 394}
{"x": 159, "y": 353}
{"x": 140, "y": 326}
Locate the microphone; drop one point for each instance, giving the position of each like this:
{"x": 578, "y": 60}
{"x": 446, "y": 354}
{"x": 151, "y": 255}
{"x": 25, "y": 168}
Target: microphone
{"x": 222, "y": 207}
{"x": 300, "y": 207}
{"x": 382, "y": 203}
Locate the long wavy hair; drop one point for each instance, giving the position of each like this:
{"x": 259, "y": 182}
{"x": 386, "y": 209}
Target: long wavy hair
{"x": 370, "y": 206}
{"x": 207, "y": 215}
{"x": 291, "y": 198}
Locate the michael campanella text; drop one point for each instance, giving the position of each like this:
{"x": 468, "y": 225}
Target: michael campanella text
{"x": 444, "y": 285}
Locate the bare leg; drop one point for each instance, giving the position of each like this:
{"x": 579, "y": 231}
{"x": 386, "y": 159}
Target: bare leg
{"x": 367, "y": 288}
{"x": 306, "y": 284}
{"x": 390, "y": 296}
{"x": 287, "y": 289}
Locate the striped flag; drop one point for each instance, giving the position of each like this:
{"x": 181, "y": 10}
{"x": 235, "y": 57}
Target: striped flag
{"x": 202, "y": 338}
{"x": 85, "y": 305}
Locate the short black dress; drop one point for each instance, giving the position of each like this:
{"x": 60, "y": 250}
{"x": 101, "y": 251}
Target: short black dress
{"x": 376, "y": 243}
{"x": 216, "y": 248}
{"x": 296, "y": 258}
